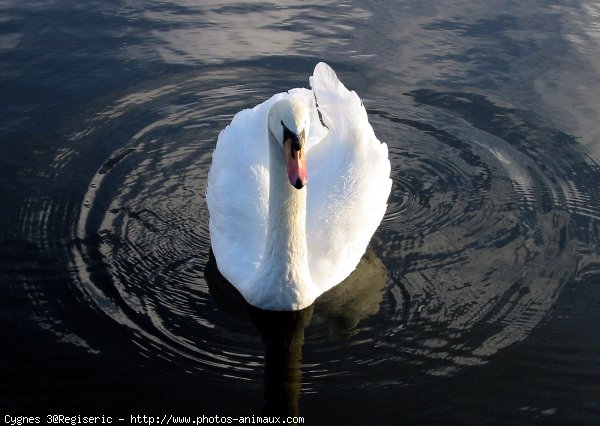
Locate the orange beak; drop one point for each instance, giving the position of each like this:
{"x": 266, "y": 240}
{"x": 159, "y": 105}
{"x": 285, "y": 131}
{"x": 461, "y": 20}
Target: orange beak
{"x": 296, "y": 164}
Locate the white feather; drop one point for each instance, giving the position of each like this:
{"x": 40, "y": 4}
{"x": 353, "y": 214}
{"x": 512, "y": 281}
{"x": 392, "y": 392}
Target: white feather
{"x": 347, "y": 191}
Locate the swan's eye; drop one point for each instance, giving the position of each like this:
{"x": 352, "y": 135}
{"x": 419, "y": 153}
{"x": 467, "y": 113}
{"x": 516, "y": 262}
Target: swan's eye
{"x": 296, "y": 139}
{"x": 287, "y": 134}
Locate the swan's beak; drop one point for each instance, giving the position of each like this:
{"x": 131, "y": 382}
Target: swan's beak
{"x": 296, "y": 162}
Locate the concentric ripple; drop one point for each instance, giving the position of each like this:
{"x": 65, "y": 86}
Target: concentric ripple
{"x": 487, "y": 221}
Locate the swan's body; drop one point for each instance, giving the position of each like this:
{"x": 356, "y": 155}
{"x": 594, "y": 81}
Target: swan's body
{"x": 280, "y": 240}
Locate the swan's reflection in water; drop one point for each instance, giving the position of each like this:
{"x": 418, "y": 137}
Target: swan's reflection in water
{"x": 341, "y": 308}
{"x": 283, "y": 337}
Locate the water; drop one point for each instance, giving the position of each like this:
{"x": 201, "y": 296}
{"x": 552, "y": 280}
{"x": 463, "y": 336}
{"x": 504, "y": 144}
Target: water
{"x": 478, "y": 298}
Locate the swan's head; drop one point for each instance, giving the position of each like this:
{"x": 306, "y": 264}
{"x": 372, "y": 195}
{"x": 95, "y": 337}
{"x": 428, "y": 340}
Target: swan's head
{"x": 289, "y": 121}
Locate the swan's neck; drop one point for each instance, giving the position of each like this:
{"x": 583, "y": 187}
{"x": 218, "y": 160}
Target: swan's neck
{"x": 286, "y": 232}
{"x": 284, "y": 273}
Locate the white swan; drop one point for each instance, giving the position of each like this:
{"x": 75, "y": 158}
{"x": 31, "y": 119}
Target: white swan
{"x": 293, "y": 204}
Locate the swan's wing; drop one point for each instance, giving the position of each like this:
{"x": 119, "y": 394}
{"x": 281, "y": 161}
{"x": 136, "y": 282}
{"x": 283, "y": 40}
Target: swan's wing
{"x": 238, "y": 192}
{"x": 348, "y": 182}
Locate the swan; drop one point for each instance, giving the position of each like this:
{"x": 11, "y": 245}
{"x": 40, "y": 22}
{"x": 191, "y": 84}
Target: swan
{"x": 296, "y": 189}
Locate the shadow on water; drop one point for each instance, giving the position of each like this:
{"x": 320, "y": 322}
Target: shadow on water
{"x": 283, "y": 333}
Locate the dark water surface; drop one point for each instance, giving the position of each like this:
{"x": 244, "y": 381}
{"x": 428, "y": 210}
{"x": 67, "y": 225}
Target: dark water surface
{"x": 479, "y": 299}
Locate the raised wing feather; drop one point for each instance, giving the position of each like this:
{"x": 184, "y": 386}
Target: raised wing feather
{"x": 349, "y": 182}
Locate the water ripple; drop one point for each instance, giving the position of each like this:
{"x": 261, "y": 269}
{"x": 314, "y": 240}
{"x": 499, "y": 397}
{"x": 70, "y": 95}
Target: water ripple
{"x": 486, "y": 224}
